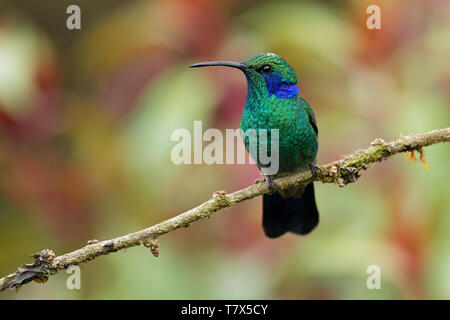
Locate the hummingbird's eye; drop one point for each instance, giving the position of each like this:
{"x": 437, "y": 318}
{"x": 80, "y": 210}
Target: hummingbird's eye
{"x": 266, "y": 69}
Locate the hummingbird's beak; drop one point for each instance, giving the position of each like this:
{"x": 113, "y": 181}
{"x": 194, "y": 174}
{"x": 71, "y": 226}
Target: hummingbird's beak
{"x": 231, "y": 64}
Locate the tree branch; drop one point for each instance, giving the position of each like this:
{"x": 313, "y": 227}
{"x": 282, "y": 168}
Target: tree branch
{"x": 342, "y": 171}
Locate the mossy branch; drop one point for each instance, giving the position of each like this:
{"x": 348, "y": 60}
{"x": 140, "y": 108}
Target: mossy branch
{"x": 342, "y": 171}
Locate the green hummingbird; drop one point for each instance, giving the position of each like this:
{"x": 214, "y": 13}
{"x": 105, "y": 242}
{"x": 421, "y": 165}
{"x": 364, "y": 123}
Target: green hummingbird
{"x": 273, "y": 102}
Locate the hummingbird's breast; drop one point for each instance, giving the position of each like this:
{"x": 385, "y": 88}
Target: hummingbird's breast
{"x": 297, "y": 145}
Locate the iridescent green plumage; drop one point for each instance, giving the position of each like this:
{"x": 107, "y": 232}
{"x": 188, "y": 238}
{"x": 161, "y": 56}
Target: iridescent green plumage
{"x": 273, "y": 103}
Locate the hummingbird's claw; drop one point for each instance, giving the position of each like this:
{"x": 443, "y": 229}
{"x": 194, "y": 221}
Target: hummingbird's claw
{"x": 271, "y": 183}
{"x": 314, "y": 169}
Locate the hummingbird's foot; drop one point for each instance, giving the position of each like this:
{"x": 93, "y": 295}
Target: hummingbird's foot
{"x": 271, "y": 183}
{"x": 314, "y": 169}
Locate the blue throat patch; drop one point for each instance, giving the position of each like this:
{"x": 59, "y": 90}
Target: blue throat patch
{"x": 280, "y": 89}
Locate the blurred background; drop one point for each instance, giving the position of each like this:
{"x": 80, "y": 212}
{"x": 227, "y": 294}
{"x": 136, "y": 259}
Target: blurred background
{"x": 85, "y": 123}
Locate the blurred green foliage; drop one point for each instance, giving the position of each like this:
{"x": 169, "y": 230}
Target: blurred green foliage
{"x": 85, "y": 124}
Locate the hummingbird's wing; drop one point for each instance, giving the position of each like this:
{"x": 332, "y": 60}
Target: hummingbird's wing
{"x": 312, "y": 119}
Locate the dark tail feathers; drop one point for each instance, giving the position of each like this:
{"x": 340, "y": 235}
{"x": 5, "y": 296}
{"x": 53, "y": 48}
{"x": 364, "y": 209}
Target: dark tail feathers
{"x": 297, "y": 215}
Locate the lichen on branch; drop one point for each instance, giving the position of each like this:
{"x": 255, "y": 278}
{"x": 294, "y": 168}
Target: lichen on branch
{"x": 343, "y": 171}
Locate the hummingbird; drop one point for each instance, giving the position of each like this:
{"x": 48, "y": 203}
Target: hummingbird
{"x": 273, "y": 102}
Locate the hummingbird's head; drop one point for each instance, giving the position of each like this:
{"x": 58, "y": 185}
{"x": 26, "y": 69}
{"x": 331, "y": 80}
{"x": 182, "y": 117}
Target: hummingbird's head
{"x": 267, "y": 74}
